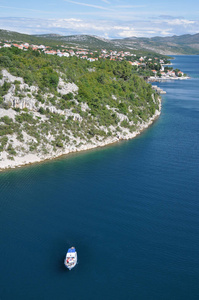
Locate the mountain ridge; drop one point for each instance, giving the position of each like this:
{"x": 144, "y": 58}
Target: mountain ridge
{"x": 182, "y": 44}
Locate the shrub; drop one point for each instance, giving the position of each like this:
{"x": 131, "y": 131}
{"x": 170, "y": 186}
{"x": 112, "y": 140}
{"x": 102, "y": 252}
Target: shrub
{"x": 10, "y": 150}
{"x": 41, "y": 110}
{"x": 5, "y": 61}
{"x": 123, "y": 108}
{"x": 68, "y": 96}
{"x": 39, "y": 98}
{"x": 3, "y": 143}
{"x": 4, "y": 88}
{"x": 125, "y": 124}
{"x": 24, "y": 117}
{"x": 59, "y": 143}
{"x": 6, "y": 120}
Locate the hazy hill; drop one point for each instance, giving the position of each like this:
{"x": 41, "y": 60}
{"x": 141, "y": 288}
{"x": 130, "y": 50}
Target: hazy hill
{"x": 183, "y": 44}
{"x": 46, "y": 39}
{"x": 52, "y": 39}
{"x": 93, "y": 42}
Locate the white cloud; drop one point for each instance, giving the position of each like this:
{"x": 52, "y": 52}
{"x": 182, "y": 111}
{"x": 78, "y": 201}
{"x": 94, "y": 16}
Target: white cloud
{"x": 121, "y": 27}
{"x": 105, "y": 1}
{"x": 103, "y": 28}
{"x": 166, "y": 32}
{"x": 180, "y": 22}
{"x": 127, "y": 33}
{"x": 86, "y": 4}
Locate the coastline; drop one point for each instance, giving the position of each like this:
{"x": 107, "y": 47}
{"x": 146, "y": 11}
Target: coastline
{"x": 162, "y": 79}
{"x": 36, "y": 158}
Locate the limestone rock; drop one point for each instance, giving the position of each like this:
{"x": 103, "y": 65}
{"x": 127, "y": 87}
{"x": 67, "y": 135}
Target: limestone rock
{"x": 65, "y": 88}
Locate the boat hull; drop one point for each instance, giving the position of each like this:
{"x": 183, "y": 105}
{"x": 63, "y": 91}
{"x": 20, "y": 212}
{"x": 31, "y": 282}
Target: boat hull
{"x": 70, "y": 260}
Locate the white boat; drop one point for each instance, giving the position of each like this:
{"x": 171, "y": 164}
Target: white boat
{"x": 70, "y": 260}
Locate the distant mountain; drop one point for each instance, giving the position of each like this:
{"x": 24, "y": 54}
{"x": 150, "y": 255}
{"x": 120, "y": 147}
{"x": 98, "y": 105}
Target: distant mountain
{"x": 93, "y": 42}
{"x": 21, "y": 38}
{"x": 48, "y": 35}
{"x": 183, "y": 44}
{"x": 83, "y": 40}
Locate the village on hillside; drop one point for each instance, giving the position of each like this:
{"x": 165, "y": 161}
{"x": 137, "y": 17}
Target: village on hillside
{"x": 150, "y": 67}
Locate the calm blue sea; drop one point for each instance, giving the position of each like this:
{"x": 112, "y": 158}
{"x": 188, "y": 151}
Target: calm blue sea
{"x": 131, "y": 210}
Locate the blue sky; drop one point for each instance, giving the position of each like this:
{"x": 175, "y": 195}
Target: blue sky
{"x": 104, "y": 18}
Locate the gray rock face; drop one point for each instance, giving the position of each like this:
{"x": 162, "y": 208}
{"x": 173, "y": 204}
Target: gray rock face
{"x": 84, "y": 106}
{"x": 23, "y": 98}
{"x": 26, "y": 99}
{"x": 16, "y": 102}
{"x": 9, "y": 78}
{"x": 65, "y": 88}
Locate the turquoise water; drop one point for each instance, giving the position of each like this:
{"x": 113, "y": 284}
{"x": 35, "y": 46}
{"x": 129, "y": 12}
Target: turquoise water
{"x": 131, "y": 210}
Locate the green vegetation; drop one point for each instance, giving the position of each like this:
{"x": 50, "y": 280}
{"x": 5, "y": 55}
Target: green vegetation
{"x": 111, "y": 90}
{"x": 4, "y": 88}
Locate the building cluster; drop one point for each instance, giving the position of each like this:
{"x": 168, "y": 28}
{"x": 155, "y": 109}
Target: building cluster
{"x": 24, "y": 46}
{"x": 143, "y": 61}
{"x": 162, "y": 72}
{"x": 72, "y": 51}
{"x": 115, "y": 55}
{"x": 137, "y": 61}
{"x": 167, "y": 74}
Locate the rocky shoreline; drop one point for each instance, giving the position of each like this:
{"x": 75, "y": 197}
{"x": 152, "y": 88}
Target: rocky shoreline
{"x": 165, "y": 79}
{"x": 36, "y": 158}
{"x": 21, "y": 145}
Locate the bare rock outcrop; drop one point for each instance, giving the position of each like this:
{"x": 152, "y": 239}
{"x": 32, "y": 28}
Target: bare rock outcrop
{"x": 65, "y": 88}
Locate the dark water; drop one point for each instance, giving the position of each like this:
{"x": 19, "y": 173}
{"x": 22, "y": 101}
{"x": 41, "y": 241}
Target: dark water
{"x": 131, "y": 210}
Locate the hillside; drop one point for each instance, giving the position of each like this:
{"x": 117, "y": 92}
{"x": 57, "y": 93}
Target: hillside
{"x": 184, "y": 44}
{"x": 56, "y": 40}
{"x": 51, "y": 105}
{"x": 93, "y": 42}
{"x": 26, "y": 38}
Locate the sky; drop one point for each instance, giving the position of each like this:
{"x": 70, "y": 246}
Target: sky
{"x": 103, "y": 18}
